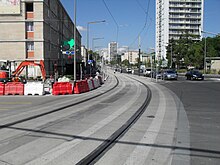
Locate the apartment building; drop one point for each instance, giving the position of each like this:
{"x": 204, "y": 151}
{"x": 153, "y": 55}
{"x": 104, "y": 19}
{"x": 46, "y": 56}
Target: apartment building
{"x": 113, "y": 50}
{"x": 35, "y": 30}
{"x": 132, "y": 56}
{"x": 174, "y": 18}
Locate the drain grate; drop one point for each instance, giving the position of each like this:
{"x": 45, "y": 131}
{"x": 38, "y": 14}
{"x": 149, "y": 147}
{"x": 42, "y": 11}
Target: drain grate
{"x": 151, "y": 116}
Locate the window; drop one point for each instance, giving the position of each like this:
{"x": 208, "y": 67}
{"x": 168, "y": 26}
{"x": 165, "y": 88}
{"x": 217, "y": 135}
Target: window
{"x": 30, "y": 46}
{"x": 29, "y": 7}
{"x": 30, "y": 26}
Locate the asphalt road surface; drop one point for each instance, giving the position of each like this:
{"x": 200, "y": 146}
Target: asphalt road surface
{"x": 201, "y": 101}
{"x": 180, "y": 125}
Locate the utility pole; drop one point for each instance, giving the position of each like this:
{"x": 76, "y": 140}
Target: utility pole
{"x": 75, "y": 40}
{"x": 139, "y": 55}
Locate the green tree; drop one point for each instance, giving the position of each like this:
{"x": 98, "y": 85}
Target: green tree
{"x": 125, "y": 62}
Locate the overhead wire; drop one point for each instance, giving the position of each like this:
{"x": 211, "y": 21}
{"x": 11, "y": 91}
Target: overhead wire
{"x": 113, "y": 19}
{"x": 146, "y": 20}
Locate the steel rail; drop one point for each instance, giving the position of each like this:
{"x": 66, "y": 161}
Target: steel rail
{"x": 97, "y": 153}
{"x": 57, "y": 109}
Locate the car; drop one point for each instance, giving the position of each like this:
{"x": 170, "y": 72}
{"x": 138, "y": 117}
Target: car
{"x": 156, "y": 75}
{"x": 194, "y": 75}
{"x": 169, "y": 75}
{"x": 128, "y": 70}
{"x": 147, "y": 72}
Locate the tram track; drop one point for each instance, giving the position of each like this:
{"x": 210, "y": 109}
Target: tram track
{"x": 97, "y": 153}
{"x": 58, "y": 109}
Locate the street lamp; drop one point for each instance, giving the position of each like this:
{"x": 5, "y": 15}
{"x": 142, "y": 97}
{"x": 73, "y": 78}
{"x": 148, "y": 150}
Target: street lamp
{"x": 151, "y": 63}
{"x": 88, "y": 23}
{"x": 205, "y": 49}
{"x": 93, "y": 39}
{"x": 75, "y": 40}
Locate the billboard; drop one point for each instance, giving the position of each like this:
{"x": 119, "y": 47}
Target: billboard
{"x": 10, "y": 7}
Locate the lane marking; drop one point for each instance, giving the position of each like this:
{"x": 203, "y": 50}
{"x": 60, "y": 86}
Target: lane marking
{"x": 140, "y": 153}
{"x": 66, "y": 146}
{"x": 15, "y": 103}
{"x": 3, "y": 109}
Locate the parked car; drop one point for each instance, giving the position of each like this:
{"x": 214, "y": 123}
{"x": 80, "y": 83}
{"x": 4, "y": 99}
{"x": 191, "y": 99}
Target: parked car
{"x": 147, "y": 72}
{"x": 128, "y": 70}
{"x": 157, "y": 75}
{"x": 169, "y": 75}
{"x": 194, "y": 75}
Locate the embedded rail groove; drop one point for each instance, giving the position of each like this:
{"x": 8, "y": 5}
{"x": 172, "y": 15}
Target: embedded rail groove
{"x": 58, "y": 109}
{"x": 96, "y": 154}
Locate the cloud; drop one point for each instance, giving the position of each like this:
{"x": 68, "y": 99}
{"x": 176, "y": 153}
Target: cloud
{"x": 81, "y": 28}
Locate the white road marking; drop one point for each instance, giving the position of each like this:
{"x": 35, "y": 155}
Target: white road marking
{"x": 140, "y": 153}
{"x": 64, "y": 147}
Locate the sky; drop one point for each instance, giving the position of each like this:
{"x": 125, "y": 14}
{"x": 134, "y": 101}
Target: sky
{"x": 127, "y": 18}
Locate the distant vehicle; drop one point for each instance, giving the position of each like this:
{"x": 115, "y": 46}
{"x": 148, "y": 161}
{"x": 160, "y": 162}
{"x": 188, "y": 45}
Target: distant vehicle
{"x": 128, "y": 70}
{"x": 147, "y": 72}
{"x": 157, "y": 75}
{"x": 170, "y": 75}
{"x": 194, "y": 75}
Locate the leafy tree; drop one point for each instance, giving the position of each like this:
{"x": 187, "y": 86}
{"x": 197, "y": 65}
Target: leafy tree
{"x": 125, "y": 62}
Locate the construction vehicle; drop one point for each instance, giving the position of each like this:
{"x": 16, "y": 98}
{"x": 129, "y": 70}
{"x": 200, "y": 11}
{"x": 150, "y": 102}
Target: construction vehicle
{"x": 15, "y": 76}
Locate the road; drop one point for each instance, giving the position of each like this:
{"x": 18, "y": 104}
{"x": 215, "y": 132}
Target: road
{"x": 202, "y": 106}
{"x": 67, "y": 129}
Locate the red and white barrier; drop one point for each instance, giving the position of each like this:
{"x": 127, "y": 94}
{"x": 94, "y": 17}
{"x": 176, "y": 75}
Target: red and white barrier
{"x": 34, "y": 88}
{"x": 91, "y": 87}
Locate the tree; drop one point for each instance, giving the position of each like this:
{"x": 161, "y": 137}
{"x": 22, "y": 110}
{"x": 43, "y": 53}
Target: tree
{"x": 125, "y": 62}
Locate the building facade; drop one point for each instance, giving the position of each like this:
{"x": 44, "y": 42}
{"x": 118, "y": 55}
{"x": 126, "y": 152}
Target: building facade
{"x": 113, "y": 50}
{"x": 174, "y": 18}
{"x": 36, "y": 32}
{"x": 132, "y": 56}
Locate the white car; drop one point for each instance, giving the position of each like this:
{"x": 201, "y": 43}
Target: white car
{"x": 128, "y": 70}
{"x": 147, "y": 72}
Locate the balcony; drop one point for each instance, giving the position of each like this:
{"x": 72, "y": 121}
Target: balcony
{"x": 30, "y": 54}
{"x": 29, "y": 35}
{"x": 29, "y": 15}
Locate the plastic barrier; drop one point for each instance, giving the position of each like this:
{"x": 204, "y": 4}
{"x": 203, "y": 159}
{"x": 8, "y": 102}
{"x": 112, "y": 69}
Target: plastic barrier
{"x": 14, "y": 88}
{"x": 2, "y": 88}
{"x": 100, "y": 80}
{"x": 78, "y": 87}
{"x": 91, "y": 87}
{"x": 85, "y": 86}
{"x": 34, "y": 88}
{"x": 62, "y": 88}
{"x": 96, "y": 83}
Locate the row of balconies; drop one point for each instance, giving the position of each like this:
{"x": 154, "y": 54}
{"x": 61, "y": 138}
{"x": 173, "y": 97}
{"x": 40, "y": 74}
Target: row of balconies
{"x": 185, "y": 22}
{"x": 184, "y": 11}
{"x": 30, "y": 35}
{"x": 183, "y": 27}
{"x": 185, "y": 16}
{"x": 185, "y": 1}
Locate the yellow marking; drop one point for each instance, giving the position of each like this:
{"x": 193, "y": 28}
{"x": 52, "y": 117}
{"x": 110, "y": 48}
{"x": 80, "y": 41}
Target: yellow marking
{"x": 15, "y": 103}
{"x": 1, "y": 109}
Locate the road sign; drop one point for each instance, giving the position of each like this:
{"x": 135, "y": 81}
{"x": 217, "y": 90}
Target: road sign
{"x": 71, "y": 43}
{"x": 68, "y": 52}
{"x": 90, "y": 61}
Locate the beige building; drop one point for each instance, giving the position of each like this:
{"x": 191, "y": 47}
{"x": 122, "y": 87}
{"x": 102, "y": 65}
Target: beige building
{"x": 132, "y": 56}
{"x": 35, "y": 30}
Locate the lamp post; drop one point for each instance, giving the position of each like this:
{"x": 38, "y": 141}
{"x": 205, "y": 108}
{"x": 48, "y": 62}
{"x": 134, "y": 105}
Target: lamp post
{"x": 205, "y": 49}
{"x": 88, "y": 23}
{"x": 75, "y": 40}
{"x": 151, "y": 65}
{"x": 93, "y": 39}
